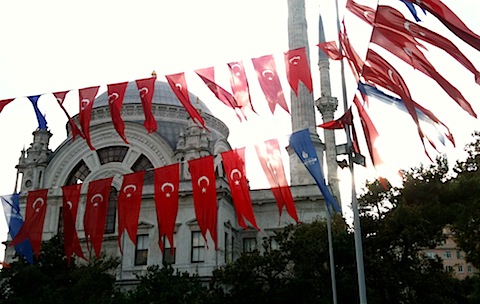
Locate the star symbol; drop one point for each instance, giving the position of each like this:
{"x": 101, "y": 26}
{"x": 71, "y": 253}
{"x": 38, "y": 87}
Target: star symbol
{"x": 237, "y": 182}
{"x": 204, "y": 190}
{"x": 129, "y": 195}
{"x": 167, "y": 194}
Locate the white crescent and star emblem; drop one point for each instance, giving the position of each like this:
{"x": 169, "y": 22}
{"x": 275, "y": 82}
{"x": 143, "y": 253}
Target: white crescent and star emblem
{"x": 59, "y": 100}
{"x": 112, "y": 97}
{"x": 237, "y": 67}
{"x": 407, "y": 24}
{"x": 40, "y": 201}
{"x": 232, "y": 176}
{"x": 268, "y": 74}
{"x": 92, "y": 200}
{"x": 407, "y": 51}
{"x": 84, "y": 103}
{"x": 390, "y": 74}
{"x": 130, "y": 186}
{"x": 294, "y": 60}
{"x": 143, "y": 91}
{"x": 200, "y": 179}
{"x": 170, "y": 185}
{"x": 70, "y": 205}
{"x": 179, "y": 86}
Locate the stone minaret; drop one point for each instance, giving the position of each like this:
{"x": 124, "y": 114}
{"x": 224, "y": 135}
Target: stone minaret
{"x": 327, "y": 105}
{"x": 303, "y": 106}
{"x": 32, "y": 163}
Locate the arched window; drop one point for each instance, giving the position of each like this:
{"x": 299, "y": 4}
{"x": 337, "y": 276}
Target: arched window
{"x": 78, "y": 174}
{"x": 112, "y": 154}
{"x": 143, "y": 163}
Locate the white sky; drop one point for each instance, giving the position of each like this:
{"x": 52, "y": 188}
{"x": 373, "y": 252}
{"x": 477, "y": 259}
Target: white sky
{"x": 50, "y": 46}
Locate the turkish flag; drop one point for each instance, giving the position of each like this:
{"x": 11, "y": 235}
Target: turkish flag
{"x": 116, "y": 93}
{"x": 34, "y": 219}
{"x": 239, "y": 85}
{"x": 271, "y": 160}
{"x": 296, "y": 63}
{"x": 166, "y": 186}
{"x": 5, "y": 102}
{"x": 363, "y": 12}
{"x": 146, "y": 88}
{"x": 129, "y": 201}
{"x": 234, "y": 164}
{"x": 270, "y": 82}
{"x": 179, "y": 86}
{"x": 330, "y": 49}
{"x": 60, "y": 97}
{"x": 87, "y": 97}
{"x": 353, "y": 59}
{"x": 208, "y": 77}
{"x": 96, "y": 212}
{"x": 71, "y": 199}
{"x": 205, "y": 195}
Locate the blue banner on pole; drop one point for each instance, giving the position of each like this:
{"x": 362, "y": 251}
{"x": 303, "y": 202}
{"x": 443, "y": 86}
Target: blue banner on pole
{"x": 302, "y": 145}
{"x": 42, "y": 122}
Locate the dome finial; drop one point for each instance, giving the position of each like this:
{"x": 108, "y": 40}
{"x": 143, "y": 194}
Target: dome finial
{"x": 154, "y": 74}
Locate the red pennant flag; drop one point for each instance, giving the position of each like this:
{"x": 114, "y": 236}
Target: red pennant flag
{"x": 330, "y": 49}
{"x": 5, "y": 102}
{"x": 166, "y": 186}
{"x": 296, "y": 63}
{"x": 129, "y": 201}
{"x": 71, "y": 243}
{"x": 205, "y": 195}
{"x": 239, "y": 84}
{"x": 345, "y": 119}
{"x": 270, "y": 82}
{"x": 354, "y": 60}
{"x": 271, "y": 160}
{"x": 32, "y": 228}
{"x": 60, "y": 97}
{"x": 96, "y": 213}
{"x": 234, "y": 163}
{"x": 179, "y": 86}
{"x": 116, "y": 93}
{"x": 450, "y": 20}
{"x": 87, "y": 97}
{"x": 208, "y": 77}
{"x": 407, "y": 50}
{"x": 363, "y": 12}
{"x": 146, "y": 88}
{"x": 392, "y": 19}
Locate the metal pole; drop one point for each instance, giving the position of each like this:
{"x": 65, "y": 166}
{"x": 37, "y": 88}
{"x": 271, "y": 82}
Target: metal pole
{"x": 356, "y": 217}
{"x": 332, "y": 260}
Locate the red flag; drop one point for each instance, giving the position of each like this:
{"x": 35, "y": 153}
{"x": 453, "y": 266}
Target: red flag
{"x": 5, "y": 102}
{"x": 146, "y": 88}
{"x": 60, "y": 97}
{"x": 271, "y": 160}
{"x": 270, "y": 82}
{"x": 96, "y": 212}
{"x": 116, "y": 93}
{"x": 407, "y": 50}
{"x": 345, "y": 119}
{"x": 179, "y": 86}
{"x": 208, "y": 77}
{"x": 32, "y": 228}
{"x": 363, "y": 12}
{"x": 392, "y": 19}
{"x": 354, "y": 60}
{"x": 205, "y": 195}
{"x": 296, "y": 62}
{"x": 129, "y": 201}
{"x": 71, "y": 198}
{"x": 87, "y": 97}
{"x": 450, "y": 20}
{"x": 234, "y": 163}
{"x": 239, "y": 84}
{"x": 330, "y": 49}
{"x": 166, "y": 186}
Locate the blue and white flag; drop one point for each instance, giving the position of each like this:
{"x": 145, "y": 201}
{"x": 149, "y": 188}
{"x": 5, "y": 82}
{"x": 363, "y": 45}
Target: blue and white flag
{"x": 42, "y": 122}
{"x": 11, "y": 208}
{"x": 302, "y": 145}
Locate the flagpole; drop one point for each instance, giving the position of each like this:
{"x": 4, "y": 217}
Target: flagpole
{"x": 356, "y": 216}
{"x": 330, "y": 252}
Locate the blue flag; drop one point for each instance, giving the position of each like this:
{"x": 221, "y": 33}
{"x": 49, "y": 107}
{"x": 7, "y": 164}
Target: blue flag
{"x": 302, "y": 144}
{"x": 42, "y": 122}
{"x": 412, "y": 9}
{"x": 11, "y": 208}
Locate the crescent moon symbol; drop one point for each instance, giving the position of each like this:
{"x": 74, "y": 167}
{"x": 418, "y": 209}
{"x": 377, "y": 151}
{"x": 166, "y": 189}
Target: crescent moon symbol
{"x": 112, "y": 97}
{"x": 238, "y": 67}
{"x": 39, "y": 200}
{"x": 294, "y": 60}
{"x": 85, "y": 102}
{"x": 203, "y": 177}
{"x": 92, "y": 200}
{"x": 268, "y": 74}
{"x": 167, "y": 185}
{"x": 178, "y": 86}
{"x": 390, "y": 74}
{"x": 143, "y": 91}
{"x": 59, "y": 100}
{"x": 235, "y": 171}
{"x": 130, "y": 186}
{"x": 70, "y": 205}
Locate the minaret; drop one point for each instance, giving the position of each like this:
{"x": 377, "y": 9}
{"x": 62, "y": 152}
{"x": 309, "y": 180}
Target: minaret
{"x": 303, "y": 105}
{"x": 327, "y": 105}
{"x": 32, "y": 164}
